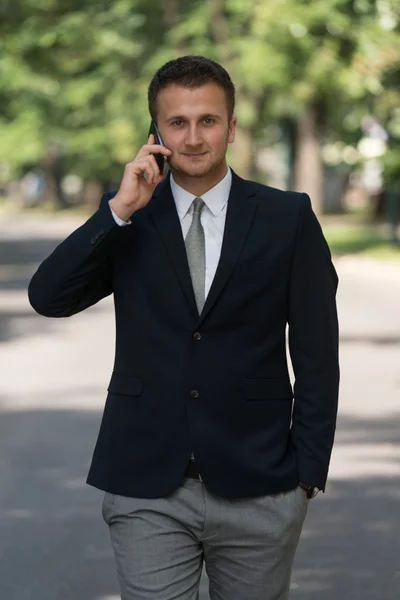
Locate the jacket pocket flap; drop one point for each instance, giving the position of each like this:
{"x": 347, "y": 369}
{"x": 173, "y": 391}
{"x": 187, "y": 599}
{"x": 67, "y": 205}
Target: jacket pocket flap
{"x": 125, "y": 385}
{"x": 267, "y": 389}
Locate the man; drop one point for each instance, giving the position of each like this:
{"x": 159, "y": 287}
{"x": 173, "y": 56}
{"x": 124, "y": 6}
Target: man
{"x": 199, "y": 452}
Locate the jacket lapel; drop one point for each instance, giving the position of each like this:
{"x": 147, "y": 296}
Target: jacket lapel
{"x": 166, "y": 220}
{"x": 240, "y": 214}
{"x": 239, "y": 217}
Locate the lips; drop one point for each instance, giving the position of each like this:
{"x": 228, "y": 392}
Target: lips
{"x": 193, "y": 155}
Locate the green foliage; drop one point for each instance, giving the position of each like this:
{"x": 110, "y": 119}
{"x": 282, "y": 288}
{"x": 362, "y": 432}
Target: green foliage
{"x": 362, "y": 241}
{"x": 77, "y": 73}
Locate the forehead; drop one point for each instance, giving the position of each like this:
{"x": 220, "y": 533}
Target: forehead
{"x": 177, "y": 99}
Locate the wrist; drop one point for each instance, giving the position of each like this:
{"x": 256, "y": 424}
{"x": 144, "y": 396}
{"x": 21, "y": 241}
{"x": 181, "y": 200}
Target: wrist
{"x": 122, "y": 211}
{"x": 310, "y": 490}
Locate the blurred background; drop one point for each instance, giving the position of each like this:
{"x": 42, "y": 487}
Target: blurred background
{"x": 318, "y": 99}
{"x": 318, "y": 108}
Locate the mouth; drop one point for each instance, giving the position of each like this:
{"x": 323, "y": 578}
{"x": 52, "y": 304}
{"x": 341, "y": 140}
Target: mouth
{"x": 194, "y": 154}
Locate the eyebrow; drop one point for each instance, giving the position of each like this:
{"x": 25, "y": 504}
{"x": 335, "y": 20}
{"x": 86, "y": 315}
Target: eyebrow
{"x": 205, "y": 116}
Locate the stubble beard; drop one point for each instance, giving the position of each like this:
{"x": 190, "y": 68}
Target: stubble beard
{"x": 207, "y": 170}
{"x": 200, "y": 171}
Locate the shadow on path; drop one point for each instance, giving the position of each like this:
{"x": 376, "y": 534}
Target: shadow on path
{"x": 54, "y": 544}
{"x": 350, "y": 546}
{"x": 19, "y": 260}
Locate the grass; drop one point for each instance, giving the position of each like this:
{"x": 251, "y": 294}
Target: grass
{"x": 361, "y": 240}
{"x": 8, "y": 208}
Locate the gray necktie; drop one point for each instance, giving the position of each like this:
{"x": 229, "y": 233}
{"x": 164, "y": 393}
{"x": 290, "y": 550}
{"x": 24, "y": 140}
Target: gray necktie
{"x": 195, "y": 250}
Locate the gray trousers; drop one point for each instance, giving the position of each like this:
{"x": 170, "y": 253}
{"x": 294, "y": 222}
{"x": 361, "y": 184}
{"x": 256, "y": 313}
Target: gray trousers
{"x": 248, "y": 544}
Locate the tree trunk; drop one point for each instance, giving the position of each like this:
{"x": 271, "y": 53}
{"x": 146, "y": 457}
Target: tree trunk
{"x": 53, "y": 193}
{"x": 308, "y": 168}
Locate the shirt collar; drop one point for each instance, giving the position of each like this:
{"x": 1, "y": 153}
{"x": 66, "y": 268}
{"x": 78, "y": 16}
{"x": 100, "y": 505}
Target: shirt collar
{"x": 215, "y": 199}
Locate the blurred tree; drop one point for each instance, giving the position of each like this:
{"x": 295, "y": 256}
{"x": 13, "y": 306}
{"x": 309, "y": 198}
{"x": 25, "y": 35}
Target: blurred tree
{"x": 71, "y": 94}
{"x": 74, "y": 77}
{"x": 298, "y": 61}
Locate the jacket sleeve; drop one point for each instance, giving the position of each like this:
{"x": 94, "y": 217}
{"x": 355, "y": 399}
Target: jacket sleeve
{"x": 313, "y": 344}
{"x": 79, "y": 271}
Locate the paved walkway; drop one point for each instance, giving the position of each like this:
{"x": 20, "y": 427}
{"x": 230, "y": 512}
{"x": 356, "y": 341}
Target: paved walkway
{"x": 53, "y": 543}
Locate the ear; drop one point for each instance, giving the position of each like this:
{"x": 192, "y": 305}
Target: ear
{"x": 232, "y": 130}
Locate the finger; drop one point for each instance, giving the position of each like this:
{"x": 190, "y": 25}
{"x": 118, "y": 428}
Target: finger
{"x": 149, "y": 168}
{"x": 155, "y": 170}
{"x": 153, "y": 181}
{"x": 153, "y": 149}
{"x": 143, "y": 168}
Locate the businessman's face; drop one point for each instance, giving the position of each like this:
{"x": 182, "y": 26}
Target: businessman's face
{"x": 195, "y": 125}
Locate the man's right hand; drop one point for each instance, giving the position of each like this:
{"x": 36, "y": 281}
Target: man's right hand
{"x": 141, "y": 177}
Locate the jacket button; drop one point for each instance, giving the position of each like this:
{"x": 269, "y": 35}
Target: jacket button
{"x": 197, "y": 336}
{"x": 194, "y": 393}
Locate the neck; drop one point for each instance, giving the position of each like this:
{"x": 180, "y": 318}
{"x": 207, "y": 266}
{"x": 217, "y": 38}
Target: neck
{"x": 199, "y": 185}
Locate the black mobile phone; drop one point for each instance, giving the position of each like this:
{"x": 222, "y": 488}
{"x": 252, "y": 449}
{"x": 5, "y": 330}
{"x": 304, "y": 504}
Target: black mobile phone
{"x": 160, "y": 158}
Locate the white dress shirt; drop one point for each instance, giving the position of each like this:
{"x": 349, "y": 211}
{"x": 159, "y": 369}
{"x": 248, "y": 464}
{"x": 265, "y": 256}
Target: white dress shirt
{"x": 213, "y": 218}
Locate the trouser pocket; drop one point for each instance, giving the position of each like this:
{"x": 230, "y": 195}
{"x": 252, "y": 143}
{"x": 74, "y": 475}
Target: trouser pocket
{"x": 108, "y": 503}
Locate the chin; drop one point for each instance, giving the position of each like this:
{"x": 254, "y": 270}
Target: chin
{"x": 195, "y": 171}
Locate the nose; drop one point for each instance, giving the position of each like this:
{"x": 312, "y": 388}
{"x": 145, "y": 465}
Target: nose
{"x": 192, "y": 136}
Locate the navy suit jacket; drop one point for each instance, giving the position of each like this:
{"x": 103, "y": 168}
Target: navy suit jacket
{"x": 217, "y": 383}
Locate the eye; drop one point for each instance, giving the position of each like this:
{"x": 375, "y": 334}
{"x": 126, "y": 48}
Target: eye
{"x": 176, "y": 123}
{"x": 208, "y": 120}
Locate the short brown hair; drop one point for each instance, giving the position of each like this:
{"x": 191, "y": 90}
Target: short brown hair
{"x": 191, "y": 72}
